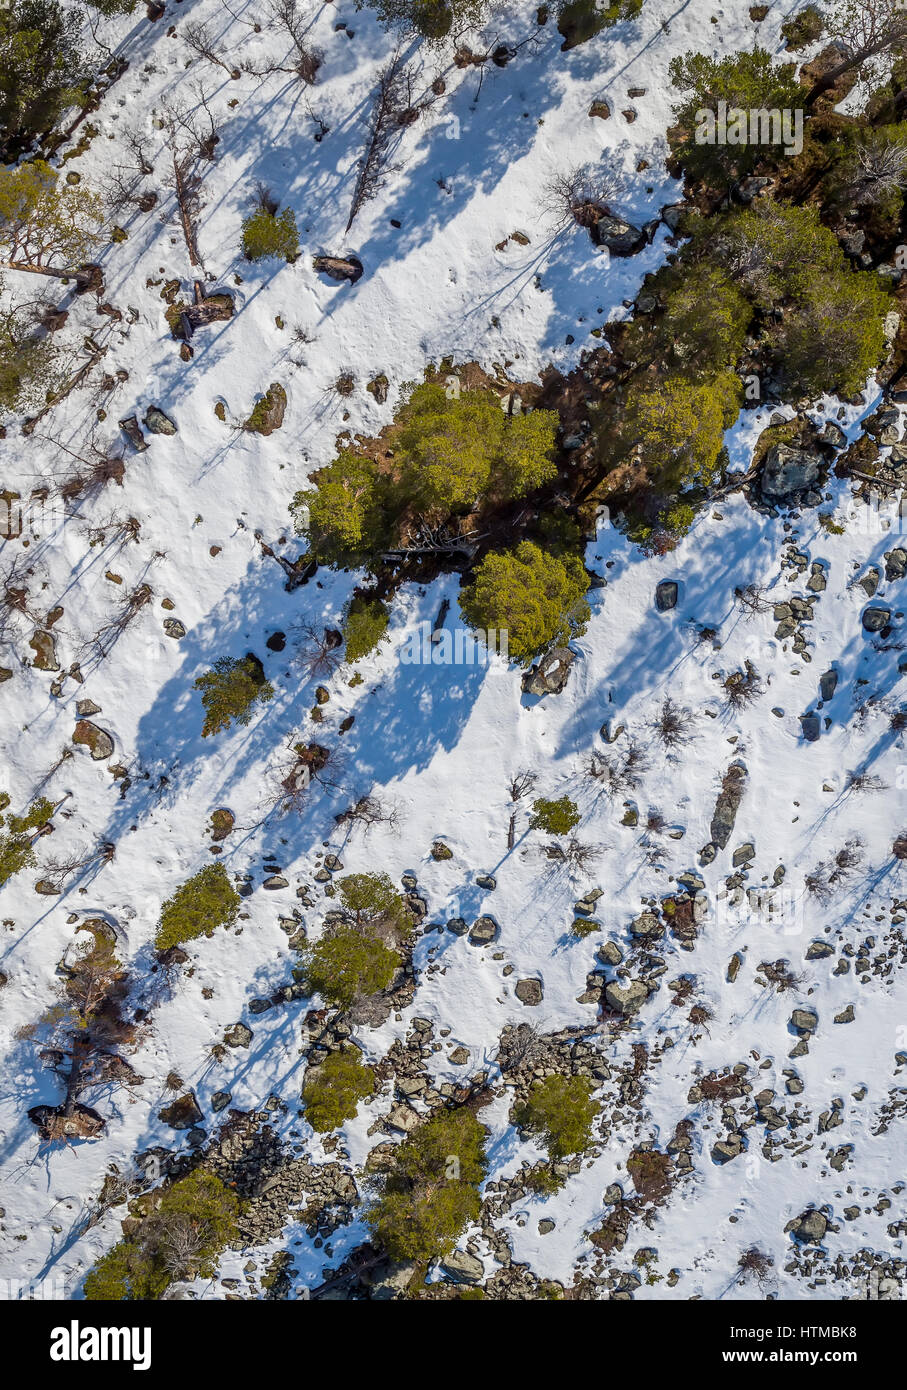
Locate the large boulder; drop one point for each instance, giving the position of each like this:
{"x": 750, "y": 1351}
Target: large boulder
{"x": 463, "y": 1268}
{"x": 96, "y": 740}
{"x": 788, "y": 470}
{"x": 617, "y": 236}
{"x": 626, "y": 999}
{"x": 550, "y": 676}
{"x": 728, "y": 804}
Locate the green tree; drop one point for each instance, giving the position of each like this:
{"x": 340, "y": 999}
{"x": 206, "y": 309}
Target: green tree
{"x": 805, "y": 27}
{"x": 533, "y": 596}
{"x": 16, "y": 852}
{"x": 27, "y": 361}
{"x": 180, "y": 1238}
{"x": 41, "y": 70}
{"x": 555, "y": 817}
{"x": 266, "y": 234}
{"x": 561, "y": 1111}
{"x": 580, "y": 20}
{"x": 112, "y": 7}
{"x": 455, "y": 450}
{"x": 345, "y": 517}
{"x": 678, "y": 427}
{"x": 46, "y": 229}
{"x": 704, "y": 324}
{"x": 373, "y": 902}
{"x": 835, "y": 336}
{"x": 347, "y": 963}
{"x": 230, "y": 690}
{"x": 750, "y": 81}
{"x": 771, "y": 251}
{"x": 431, "y": 1193}
{"x": 433, "y": 19}
{"x": 364, "y": 625}
{"x": 333, "y": 1090}
{"x": 205, "y": 902}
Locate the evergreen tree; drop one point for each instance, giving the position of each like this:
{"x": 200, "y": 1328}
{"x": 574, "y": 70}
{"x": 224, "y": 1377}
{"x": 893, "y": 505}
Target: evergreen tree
{"x": 456, "y": 450}
{"x": 346, "y": 516}
{"x": 41, "y": 70}
{"x": 533, "y": 596}
{"x": 373, "y": 903}
{"x": 679, "y": 427}
{"x": 230, "y": 691}
{"x": 348, "y": 962}
{"x": 27, "y": 360}
{"x": 560, "y": 1110}
{"x": 433, "y": 19}
{"x": 835, "y": 336}
{"x": 554, "y": 817}
{"x": 16, "y": 852}
{"x": 432, "y": 1191}
{"x": 332, "y": 1091}
{"x": 750, "y": 81}
{"x": 364, "y": 625}
{"x": 203, "y": 903}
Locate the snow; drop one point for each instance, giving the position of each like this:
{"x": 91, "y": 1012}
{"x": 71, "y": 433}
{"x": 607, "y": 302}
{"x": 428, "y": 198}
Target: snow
{"x": 440, "y": 743}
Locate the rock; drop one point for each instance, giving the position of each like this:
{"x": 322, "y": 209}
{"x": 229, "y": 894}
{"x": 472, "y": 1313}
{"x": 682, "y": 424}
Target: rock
{"x": 132, "y": 431}
{"x": 97, "y": 741}
{"x": 788, "y": 470}
{"x": 869, "y": 582}
{"x": 402, "y": 1118}
{"x": 804, "y": 1021}
{"x": 875, "y": 619}
{"x": 673, "y": 214}
{"x": 275, "y": 882}
{"x": 666, "y": 591}
{"x": 828, "y": 684}
{"x": 619, "y": 237}
{"x": 267, "y": 414}
{"x": 463, "y": 1268}
{"x": 728, "y": 804}
{"x": 483, "y": 931}
{"x": 725, "y": 1150}
{"x": 810, "y": 1227}
{"x": 810, "y": 726}
{"x": 743, "y": 854}
{"x": 156, "y": 422}
{"x": 601, "y": 109}
{"x": 846, "y": 1016}
{"x": 550, "y": 675}
{"x": 819, "y": 950}
{"x": 609, "y": 953}
{"x": 174, "y": 628}
{"x": 647, "y": 926}
{"x": 42, "y": 644}
{"x": 529, "y": 992}
{"x": 220, "y": 1100}
{"x": 339, "y": 267}
{"x": 182, "y": 1113}
{"x": 458, "y": 926}
{"x": 222, "y": 822}
{"x": 86, "y": 707}
{"x": 459, "y": 1057}
{"x": 895, "y": 564}
{"x": 238, "y": 1035}
{"x": 378, "y": 388}
{"x": 486, "y": 881}
{"x": 626, "y": 999}
{"x": 440, "y": 851}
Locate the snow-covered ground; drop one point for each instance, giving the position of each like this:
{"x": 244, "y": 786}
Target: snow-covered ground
{"x": 440, "y": 743}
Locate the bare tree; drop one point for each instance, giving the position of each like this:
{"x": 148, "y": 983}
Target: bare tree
{"x": 319, "y": 652}
{"x": 752, "y": 600}
{"x": 619, "y": 774}
{"x": 865, "y": 29}
{"x": 836, "y": 872}
{"x": 583, "y": 195}
{"x": 755, "y": 1262}
{"x": 196, "y": 35}
{"x": 875, "y": 167}
{"x": 286, "y": 15}
{"x": 674, "y": 725}
{"x": 574, "y": 853}
{"x": 393, "y": 99}
{"x": 520, "y": 785}
{"x": 742, "y": 688}
{"x": 368, "y": 811}
{"x": 110, "y": 633}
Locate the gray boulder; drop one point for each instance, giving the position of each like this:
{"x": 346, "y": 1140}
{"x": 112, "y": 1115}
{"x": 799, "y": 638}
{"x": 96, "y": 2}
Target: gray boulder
{"x": 666, "y": 591}
{"x": 550, "y": 675}
{"x": 788, "y": 470}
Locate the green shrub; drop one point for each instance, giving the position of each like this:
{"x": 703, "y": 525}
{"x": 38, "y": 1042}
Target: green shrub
{"x": 533, "y": 596}
{"x": 455, "y": 450}
{"x": 16, "y": 851}
{"x": 560, "y": 1110}
{"x": 554, "y": 817}
{"x": 747, "y": 80}
{"x": 431, "y": 1193}
{"x": 264, "y": 234}
{"x": 332, "y": 1091}
{"x": 179, "y": 1239}
{"x": 433, "y": 19}
{"x": 705, "y": 320}
{"x": 206, "y": 901}
{"x": 347, "y": 963}
{"x": 771, "y": 251}
{"x": 834, "y": 338}
{"x": 870, "y": 171}
{"x": 363, "y": 627}
{"x": 805, "y": 27}
{"x": 230, "y": 690}
{"x": 26, "y": 364}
